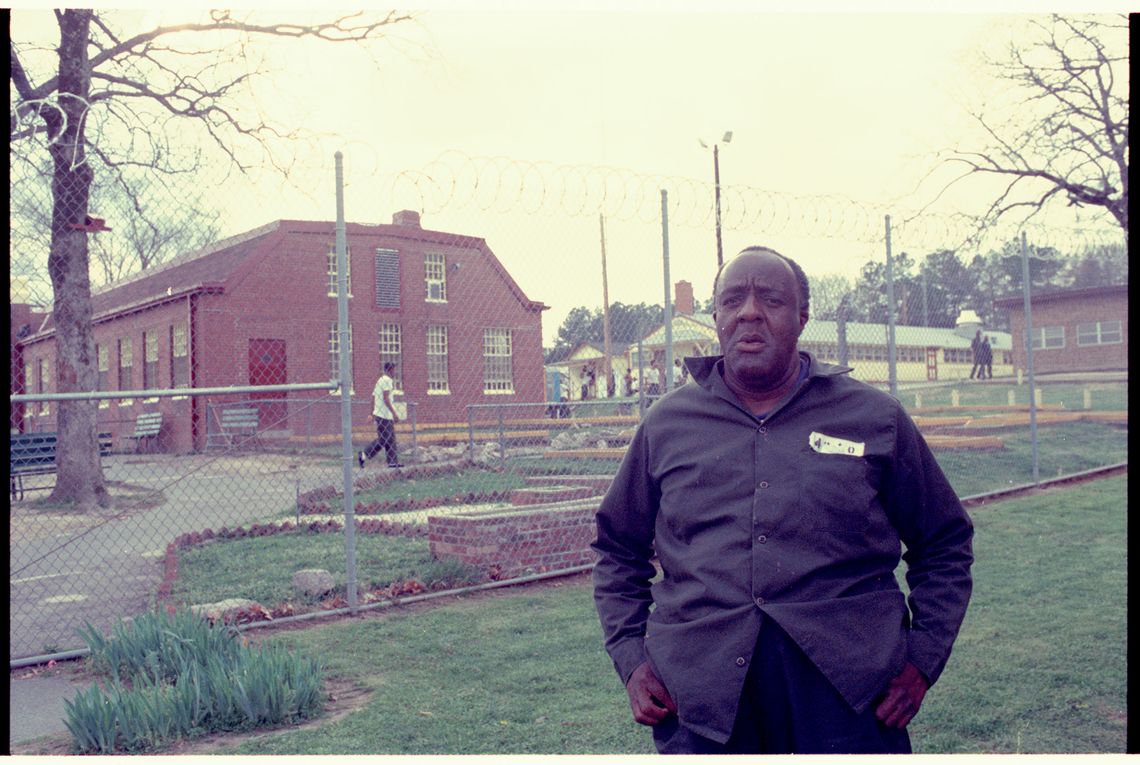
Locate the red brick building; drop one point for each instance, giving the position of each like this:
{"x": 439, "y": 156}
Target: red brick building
{"x": 1075, "y": 330}
{"x": 260, "y": 308}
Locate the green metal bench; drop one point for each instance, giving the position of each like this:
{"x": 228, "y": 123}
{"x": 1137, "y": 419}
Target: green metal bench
{"x": 34, "y": 454}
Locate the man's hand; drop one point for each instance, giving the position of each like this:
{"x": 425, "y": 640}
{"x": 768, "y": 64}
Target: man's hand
{"x": 903, "y": 698}
{"x": 650, "y": 701}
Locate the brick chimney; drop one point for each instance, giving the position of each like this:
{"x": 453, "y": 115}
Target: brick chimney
{"x": 406, "y": 218}
{"x": 683, "y": 298}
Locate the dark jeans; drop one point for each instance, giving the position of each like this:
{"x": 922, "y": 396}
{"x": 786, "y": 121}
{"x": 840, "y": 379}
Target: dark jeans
{"x": 385, "y": 439}
{"x": 788, "y": 707}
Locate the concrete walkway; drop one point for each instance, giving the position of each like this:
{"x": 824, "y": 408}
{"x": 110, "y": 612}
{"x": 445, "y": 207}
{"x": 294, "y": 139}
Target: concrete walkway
{"x": 35, "y": 707}
{"x": 99, "y": 570}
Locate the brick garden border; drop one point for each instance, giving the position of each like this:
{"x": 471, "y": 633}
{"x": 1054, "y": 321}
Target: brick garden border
{"x": 365, "y": 526}
{"x": 317, "y": 502}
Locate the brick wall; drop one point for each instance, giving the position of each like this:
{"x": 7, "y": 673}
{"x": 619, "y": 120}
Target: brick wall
{"x": 518, "y": 541}
{"x": 276, "y": 288}
{"x": 1067, "y": 310}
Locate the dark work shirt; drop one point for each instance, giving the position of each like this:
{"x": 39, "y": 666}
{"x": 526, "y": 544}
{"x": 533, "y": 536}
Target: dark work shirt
{"x": 799, "y": 516}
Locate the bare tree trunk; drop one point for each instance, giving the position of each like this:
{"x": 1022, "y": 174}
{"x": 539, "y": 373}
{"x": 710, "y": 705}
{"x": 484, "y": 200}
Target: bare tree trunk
{"x": 79, "y": 472}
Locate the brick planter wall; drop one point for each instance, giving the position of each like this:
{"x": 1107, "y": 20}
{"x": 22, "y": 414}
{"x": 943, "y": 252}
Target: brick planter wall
{"x": 516, "y": 542}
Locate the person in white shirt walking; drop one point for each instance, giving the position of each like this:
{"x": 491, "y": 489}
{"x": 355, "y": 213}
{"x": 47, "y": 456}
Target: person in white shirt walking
{"x": 384, "y": 412}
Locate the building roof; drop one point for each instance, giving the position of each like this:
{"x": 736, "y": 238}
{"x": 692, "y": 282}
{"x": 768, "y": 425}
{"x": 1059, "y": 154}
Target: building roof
{"x": 700, "y": 326}
{"x": 687, "y": 327}
{"x": 1082, "y": 293}
{"x": 211, "y": 268}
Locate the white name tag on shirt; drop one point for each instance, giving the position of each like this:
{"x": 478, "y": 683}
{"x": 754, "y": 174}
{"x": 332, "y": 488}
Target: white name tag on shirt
{"x": 831, "y": 445}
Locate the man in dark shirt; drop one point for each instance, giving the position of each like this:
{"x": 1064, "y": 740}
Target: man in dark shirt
{"x": 777, "y": 494}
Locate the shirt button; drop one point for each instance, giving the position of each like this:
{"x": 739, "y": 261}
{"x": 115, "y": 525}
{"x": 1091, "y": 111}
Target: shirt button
{"x": 761, "y": 539}
{"x": 763, "y": 430}
{"x": 741, "y": 661}
{"x": 759, "y": 601}
{"x": 763, "y": 484}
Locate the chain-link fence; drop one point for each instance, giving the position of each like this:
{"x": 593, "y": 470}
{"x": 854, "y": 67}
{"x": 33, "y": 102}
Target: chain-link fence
{"x": 177, "y": 441}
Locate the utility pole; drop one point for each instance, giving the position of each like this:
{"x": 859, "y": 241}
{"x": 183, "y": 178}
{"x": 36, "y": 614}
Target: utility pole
{"x": 607, "y": 365}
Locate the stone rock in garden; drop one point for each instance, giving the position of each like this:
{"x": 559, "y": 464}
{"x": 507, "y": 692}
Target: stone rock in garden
{"x": 313, "y": 582}
{"x": 570, "y": 439}
{"x": 440, "y": 453}
{"x": 487, "y": 454}
{"x": 226, "y": 610}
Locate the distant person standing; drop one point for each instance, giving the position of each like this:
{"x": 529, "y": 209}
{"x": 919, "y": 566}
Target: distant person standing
{"x": 628, "y": 381}
{"x": 384, "y": 412}
{"x": 680, "y": 373}
{"x": 655, "y": 380}
{"x": 987, "y": 358}
{"x": 976, "y": 353}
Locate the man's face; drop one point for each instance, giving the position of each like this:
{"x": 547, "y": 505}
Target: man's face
{"x": 758, "y": 319}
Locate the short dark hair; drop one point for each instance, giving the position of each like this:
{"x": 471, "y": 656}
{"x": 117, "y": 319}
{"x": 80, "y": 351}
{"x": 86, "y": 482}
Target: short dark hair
{"x": 801, "y": 277}
{"x": 389, "y": 366}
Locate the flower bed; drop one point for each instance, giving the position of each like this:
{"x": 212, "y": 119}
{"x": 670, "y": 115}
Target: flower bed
{"x": 364, "y": 526}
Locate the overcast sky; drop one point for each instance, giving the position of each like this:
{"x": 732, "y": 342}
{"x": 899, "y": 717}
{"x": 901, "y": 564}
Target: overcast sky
{"x": 855, "y": 105}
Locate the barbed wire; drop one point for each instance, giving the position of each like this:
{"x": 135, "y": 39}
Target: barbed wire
{"x": 456, "y": 180}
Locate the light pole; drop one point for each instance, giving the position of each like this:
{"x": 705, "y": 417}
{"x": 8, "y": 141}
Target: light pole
{"x": 727, "y": 138}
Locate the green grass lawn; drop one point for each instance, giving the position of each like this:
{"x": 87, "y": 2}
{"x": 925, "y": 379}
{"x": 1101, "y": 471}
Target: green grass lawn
{"x": 1107, "y": 395}
{"x": 1062, "y": 450}
{"x": 1039, "y": 666}
{"x": 261, "y": 568}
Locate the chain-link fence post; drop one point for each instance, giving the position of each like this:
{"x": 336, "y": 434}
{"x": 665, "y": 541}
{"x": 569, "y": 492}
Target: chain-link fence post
{"x": 667, "y": 383}
{"x": 892, "y": 371}
{"x": 1026, "y": 287}
{"x": 345, "y": 372}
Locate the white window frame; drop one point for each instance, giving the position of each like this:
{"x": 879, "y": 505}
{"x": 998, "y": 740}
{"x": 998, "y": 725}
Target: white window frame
{"x": 437, "y": 384}
{"x": 334, "y": 357}
{"x": 435, "y": 276}
{"x": 179, "y": 349}
{"x": 1098, "y": 333}
{"x": 150, "y": 378}
{"x": 44, "y": 369}
{"x": 330, "y": 271}
{"x": 1048, "y": 338}
{"x": 497, "y": 357}
{"x": 390, "y": 345}
{"x": 103, "y": 367}
{"x": 130, "y": 354}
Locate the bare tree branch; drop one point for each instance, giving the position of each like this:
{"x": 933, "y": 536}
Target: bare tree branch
{"x": 118, "y": 108}
{"x": 1068, "y": 138}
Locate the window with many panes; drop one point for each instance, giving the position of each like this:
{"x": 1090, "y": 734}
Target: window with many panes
{"x": 150, "y": 359}
{"x": 1100, "y": 333}
{"x": 332, "y": 274}
{"x": 334, "y": 355}
{"x": 28, "y": 387}
{"x": 435, "y": 277}
{"x": 125, "y": 363}
{"x": 179, "y": 356}
{"x": 437, "y": 360}
{"x": 45, "y": 384}
{"x": 391, "y": 347}
{"x": 1045, "y": 338}
{"x": 497, "y": 377}
{"x": 103, "y": 358}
